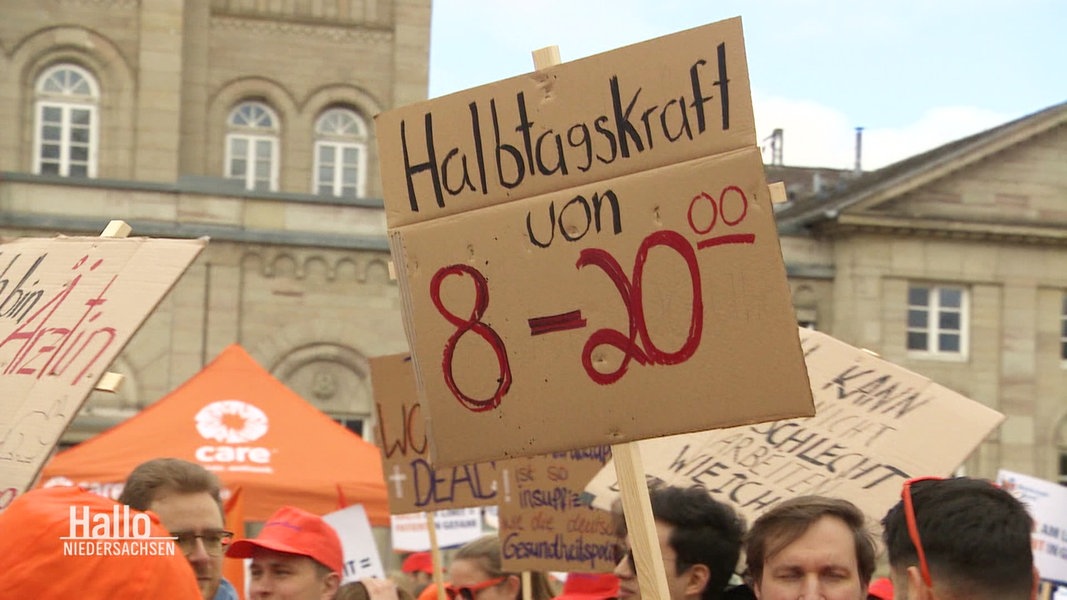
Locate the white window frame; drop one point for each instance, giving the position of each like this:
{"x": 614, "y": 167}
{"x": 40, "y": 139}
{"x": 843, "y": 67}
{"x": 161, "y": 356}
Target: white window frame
{"x": 340, "y": 142}
{"x": 933, "y": 327}
{"x": 1063, "y": 331}
{"x": 249, "y": 178}
{"x": 66, "y": 102}
{"x": 252, "y": 135}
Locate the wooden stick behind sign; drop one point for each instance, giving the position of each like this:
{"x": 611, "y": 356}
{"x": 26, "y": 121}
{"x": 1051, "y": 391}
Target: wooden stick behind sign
{"x": 640, "y": 523}
{"x": 111, "y": 382}
{"x": 644, "y": 539}
{"x": 435, "y": 555}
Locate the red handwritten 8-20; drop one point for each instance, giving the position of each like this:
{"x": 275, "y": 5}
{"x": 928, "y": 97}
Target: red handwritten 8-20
{"x": 636, "y": 344}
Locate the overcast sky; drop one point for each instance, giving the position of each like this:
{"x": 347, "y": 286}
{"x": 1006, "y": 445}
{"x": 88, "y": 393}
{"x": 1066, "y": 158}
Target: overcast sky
{"x": 913, "y": 73}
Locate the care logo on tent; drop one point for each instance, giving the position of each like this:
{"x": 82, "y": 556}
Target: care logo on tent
{"x": 121, "y": 532}
{"x": 233, "y": 424}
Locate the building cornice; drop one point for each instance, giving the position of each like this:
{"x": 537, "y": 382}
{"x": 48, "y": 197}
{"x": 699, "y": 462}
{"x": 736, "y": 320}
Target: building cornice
{"x": 945, "y": 229}
{"x": 305, "y": 29}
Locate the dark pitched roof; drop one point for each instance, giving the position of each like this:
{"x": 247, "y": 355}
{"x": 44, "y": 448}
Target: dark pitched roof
{"x": 829, "y": 204}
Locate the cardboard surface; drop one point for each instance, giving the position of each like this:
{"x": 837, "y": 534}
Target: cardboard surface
{"x": 67, "y": 308}
{"x": 413, "y": 484}
{"x": 672, "y": 295}
{"x": 1047, "y": 503}
{"x": 876, "y": 424}
{"x": 663, "y": 101}
{"x": 545, "y": 524}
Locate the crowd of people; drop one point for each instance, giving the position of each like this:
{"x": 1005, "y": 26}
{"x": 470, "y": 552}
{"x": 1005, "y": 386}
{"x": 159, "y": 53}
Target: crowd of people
{"x": 947, "y": 539}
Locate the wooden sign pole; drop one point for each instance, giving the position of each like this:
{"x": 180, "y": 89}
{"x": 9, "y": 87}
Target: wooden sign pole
{"x": 435, "y": 556}
{"x": 111, "y": 382}
{"x": 641, "y": 525}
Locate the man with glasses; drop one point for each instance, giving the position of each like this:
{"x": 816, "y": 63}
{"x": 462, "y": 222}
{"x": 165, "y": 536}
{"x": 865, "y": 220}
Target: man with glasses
{"x": 700, "y": 539}
{"x": 185, "y": 497}
{"x": 296, "y": 556}
{"x": 959, "y": 538}
{"x": 810, "y": 547}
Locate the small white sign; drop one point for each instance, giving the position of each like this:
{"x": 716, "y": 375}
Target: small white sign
{"x": 454, "y": 528}
{"x": 1047, "y": 502}
{"x": 357, "y": 542}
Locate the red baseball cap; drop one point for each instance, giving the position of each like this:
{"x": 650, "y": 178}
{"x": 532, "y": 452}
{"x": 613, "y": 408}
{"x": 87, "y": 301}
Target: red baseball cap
{"x": 418, "y": 562}
{"x": 295, "y": 531}
{"x": 589, "y": 586}
{"x": 44, "y": 553}
{"x": 881, "y": 588}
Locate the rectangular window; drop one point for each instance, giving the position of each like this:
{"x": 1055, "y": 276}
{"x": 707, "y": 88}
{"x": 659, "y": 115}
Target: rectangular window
{"x": 252, "y": 160}
{"x": 339, "y": 169}
{"x": 937, "y": 321}
{"x": 1063, "y": 329}
{"x": 65, "y": 141}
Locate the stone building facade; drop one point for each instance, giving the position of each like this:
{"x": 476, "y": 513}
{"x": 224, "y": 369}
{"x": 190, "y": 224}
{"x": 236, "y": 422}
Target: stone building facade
{"x": 953, "y": 264}
{"x": 244, "y": 120}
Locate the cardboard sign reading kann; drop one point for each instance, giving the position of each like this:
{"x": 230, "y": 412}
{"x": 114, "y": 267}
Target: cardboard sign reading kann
{"x": 876, "y": 424}
{"x": 601, "y": 245}
{"x": 67, "y": 308}
{"x": 414, "y": 485}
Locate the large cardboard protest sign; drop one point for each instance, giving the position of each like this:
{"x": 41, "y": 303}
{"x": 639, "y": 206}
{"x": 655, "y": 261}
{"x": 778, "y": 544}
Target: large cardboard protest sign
{"x": 876, "y": 424}
{"x": 414, "y": 484}
{"x": 545, "y": 521}
{"x": 595, "y": 238}
{"x": 67, "y": 307}
{"x": 1047, "y": 503}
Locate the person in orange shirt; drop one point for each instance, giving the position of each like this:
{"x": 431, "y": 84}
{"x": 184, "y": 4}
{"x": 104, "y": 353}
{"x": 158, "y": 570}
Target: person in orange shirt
{"x": 45, "y": 552}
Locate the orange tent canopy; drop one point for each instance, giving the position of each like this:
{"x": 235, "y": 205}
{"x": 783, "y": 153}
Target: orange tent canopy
{"x": 238, "y": 421}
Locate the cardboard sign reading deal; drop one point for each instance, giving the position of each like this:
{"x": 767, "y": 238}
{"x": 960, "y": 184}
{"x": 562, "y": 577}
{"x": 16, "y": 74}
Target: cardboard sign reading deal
{"x": 546, "y": 523}
{"x": 67, "y": 308}
{"x": 595, "y": 239}
{"x": 414, "y": 485}
{"x": 876, "y": 424}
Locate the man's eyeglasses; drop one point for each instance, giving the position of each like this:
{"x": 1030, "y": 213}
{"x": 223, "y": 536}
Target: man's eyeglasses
{"x": 214, "y": 540}
{"x": 913, "y": 526}
{"x": 467, "y": 592}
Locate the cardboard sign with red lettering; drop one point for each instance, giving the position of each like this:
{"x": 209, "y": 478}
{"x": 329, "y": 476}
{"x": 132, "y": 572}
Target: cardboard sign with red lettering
{"x": 67, "y": 308}
{"x": 596, "y": 239}
{"x": 876, "y": 424}
{"x": 414, "y": 485}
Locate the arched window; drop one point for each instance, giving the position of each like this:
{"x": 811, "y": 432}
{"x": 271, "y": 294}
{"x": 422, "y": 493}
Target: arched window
{"x": 340, "y": 154}
{"x": 252, "y": 146}
{"x": 66, "y": 132}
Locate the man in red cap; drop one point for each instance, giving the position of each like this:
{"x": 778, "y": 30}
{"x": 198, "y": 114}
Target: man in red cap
{"x": 296, "y": 556}
{"x": 419, "y": 567}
